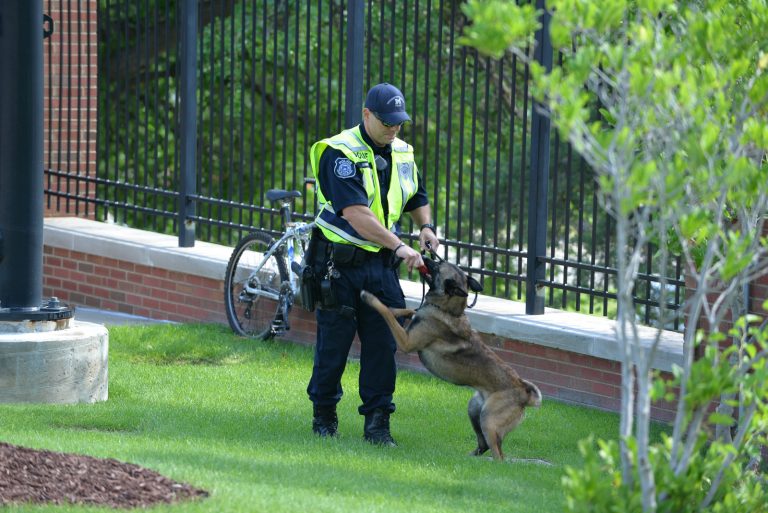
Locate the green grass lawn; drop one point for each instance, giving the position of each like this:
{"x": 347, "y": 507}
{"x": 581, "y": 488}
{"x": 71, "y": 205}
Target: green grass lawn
{"x": 231, "y": 416}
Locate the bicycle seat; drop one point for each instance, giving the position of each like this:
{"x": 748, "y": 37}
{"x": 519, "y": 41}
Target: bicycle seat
{"x": 280, "y": 194}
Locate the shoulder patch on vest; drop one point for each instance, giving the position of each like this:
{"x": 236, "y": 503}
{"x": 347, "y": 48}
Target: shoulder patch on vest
{"x": 343, "y": 168}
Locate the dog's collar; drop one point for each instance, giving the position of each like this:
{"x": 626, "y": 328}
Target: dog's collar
{"x": 433, "y": 305}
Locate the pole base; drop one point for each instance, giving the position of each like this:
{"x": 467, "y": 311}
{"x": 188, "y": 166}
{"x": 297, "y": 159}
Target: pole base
{"x": 51, "y": 310}
{"x": 61, "y": 366}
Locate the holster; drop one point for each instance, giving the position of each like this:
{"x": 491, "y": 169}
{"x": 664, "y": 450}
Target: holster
{"x": 309, "y": 284}
{"x": 308, "y": 288}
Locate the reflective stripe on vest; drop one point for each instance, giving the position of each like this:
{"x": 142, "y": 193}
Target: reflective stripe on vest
{"x": 402, "y": 187}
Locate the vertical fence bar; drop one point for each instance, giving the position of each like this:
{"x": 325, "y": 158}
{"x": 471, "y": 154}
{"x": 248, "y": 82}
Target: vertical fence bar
{"x": 537, "y": 208}
{"x": 553, "y": 226}
{"x": 510, "y": 167}
{"x": 143, "y": 122}
{"x": 329, "y": 75}
{"x": 47, "y": 86}
{"x": 188, "y": 120}
{"x": 496, "y": 262}
{"x": 437, "y": 116}
{"x": 68, "y": 116}
{"x": 580, "y": 232}
{"x": 340, "y": 76}
{"x": 295, "y": 114}
{"x": 79, "y": 104}
{"x": 115, "y": 92}
{"x": 353, "y": 104}
{"x": 404, "y": 48}
{"x": 283, "y": 95}
{"x": 368, "y": 45}
{"x": 60, "y": 114}
{"x": 263, "y": 108}
{"x": 521, "y": 220}
{"x": 460, "y": 157}
{"x": 567, "y": 227}
{"x": 449, "y": 139}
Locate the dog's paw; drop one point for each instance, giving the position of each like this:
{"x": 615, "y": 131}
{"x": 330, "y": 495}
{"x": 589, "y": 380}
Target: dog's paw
{"x": 478, "y": 452}
{"x": 370, "y": 299}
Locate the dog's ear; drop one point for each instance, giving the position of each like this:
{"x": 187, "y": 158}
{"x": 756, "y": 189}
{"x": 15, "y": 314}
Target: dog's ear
{"x": 534, "y": 395}
{"x": 474, "y": 285}
{"x": 452, "y": 288}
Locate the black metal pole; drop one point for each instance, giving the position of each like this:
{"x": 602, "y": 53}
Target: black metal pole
{"x": 539, "y": 177}
{"x": 188, "y": 124}
{"x": 21, "y": 154}
{"x": 353, "y": 105}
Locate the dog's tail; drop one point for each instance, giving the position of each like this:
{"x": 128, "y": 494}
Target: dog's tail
{"x": 534, "y": 394}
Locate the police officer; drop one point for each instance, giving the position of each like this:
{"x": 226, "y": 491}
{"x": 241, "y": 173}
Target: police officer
{"x": 366, "y": 179}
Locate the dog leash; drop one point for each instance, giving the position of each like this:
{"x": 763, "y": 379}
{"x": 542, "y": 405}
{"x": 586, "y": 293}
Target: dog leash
{"x": 423, "y": 271}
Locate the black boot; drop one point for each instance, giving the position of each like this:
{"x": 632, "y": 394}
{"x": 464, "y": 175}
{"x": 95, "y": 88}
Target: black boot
{"x": 325, "y": 422}
{"x": 376, "y": 429}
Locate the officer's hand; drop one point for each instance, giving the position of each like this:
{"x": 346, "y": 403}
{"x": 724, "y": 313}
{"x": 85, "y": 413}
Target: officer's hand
{"x": 428, "y": 235}
{"x": 410, "y": 256}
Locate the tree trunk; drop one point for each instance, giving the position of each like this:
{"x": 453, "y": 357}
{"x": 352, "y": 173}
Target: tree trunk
{"x": 627, "y": 371}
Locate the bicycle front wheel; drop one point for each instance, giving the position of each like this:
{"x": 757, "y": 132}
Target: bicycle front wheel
{"x": 251, "y": 293}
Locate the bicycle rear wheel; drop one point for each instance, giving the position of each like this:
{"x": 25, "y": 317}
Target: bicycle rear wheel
{"x": 249, "y": 312}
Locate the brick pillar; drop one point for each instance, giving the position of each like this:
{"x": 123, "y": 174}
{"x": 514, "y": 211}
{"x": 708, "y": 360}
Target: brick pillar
{"x": 758, "y": 293}
{"x": 758, "y": 290}
{"x": 70, "y": 63}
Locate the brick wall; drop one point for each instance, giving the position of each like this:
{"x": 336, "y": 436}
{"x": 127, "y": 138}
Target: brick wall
{"x": 98, "y": 282}
{"x": 70, "y": 63}
{"x": 83, "y": 279}
{"x": 758, "y": 290}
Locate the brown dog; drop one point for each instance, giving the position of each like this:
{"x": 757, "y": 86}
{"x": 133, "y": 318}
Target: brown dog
{"x": 451, "y": 350}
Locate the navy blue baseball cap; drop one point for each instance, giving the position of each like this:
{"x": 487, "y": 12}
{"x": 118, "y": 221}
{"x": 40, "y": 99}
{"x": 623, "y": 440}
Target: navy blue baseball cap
{"x": 388, "y": 103}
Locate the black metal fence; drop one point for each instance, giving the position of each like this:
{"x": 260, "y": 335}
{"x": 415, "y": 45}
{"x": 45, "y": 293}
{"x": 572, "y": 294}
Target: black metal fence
{"x": 272, "y": 78}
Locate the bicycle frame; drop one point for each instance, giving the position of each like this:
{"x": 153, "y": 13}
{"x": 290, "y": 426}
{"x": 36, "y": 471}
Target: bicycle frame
{"x": 267, "y": 266}
{"x": 294, "y": 232}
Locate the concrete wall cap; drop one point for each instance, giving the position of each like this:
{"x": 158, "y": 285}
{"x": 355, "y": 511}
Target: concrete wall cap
{"x": 568, "y": 331}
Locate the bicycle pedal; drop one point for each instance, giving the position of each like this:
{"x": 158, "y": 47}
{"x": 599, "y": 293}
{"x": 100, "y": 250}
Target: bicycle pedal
{"x": 278, "y": 328}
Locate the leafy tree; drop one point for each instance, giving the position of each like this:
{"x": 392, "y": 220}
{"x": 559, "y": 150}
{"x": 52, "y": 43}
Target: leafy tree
{"x": 680, "y": 153}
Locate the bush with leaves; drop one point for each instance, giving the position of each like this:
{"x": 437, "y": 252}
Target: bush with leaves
{"x": 680, "y": 153}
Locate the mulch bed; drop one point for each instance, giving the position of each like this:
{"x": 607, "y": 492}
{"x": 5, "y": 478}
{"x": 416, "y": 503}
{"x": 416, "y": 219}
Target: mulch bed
{"x": 37, "y": 476}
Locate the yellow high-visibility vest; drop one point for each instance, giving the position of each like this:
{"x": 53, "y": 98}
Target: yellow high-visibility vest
{"x": 360, "y": 159}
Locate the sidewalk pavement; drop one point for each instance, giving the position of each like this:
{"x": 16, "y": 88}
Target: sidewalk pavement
{"x": 110, "y": 318}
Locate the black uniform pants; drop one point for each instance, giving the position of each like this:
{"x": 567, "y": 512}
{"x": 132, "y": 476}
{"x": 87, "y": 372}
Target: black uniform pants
{"x": 336, "y": 331}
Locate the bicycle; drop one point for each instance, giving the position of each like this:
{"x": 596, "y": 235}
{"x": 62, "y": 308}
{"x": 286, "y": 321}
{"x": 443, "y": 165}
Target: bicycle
{"x": 259, "y": 287}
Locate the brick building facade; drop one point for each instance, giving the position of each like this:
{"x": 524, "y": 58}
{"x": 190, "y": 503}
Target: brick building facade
{"x": 70, "y": 70}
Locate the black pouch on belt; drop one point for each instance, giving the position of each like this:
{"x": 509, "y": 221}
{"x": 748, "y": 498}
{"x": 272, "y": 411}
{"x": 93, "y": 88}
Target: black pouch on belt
{"x": 327, "y": 298}
{"x": 347, "y": 255}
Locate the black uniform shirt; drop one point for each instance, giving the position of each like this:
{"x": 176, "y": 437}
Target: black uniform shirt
{"x": 344, "y": 188}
